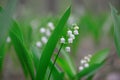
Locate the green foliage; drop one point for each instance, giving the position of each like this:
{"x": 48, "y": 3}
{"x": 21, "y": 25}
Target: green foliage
{"x": 66, "y": 64}
{"x": 39, "y": 61}
{"x": 92, "y": 24}
{"x": 50, "y": 46}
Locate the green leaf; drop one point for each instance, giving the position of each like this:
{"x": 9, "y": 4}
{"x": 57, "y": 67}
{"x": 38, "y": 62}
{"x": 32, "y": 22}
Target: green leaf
{"x": 66, "y": 64}
{"x": 50, "y": 46}
{"x": 99, "y": 57}
{"x": 22, "y": 52}
{"x": 88, "y": 71}
{"x": 96, "y": 61}
{"x": 116, "y": 21}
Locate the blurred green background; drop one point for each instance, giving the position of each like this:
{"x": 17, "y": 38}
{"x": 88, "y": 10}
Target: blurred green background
{"x": 96, "y": 31}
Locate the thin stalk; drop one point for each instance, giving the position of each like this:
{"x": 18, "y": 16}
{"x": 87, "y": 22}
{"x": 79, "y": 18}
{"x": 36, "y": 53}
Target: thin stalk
{"x": 55, "y": 61}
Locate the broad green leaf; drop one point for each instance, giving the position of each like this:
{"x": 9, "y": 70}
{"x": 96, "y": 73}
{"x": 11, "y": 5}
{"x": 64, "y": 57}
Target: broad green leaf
{"x": 116, "y": 21}
{"x": 96, "y": 61}
{"x": 50, "y": 46}
{"x": 23, "y": 54}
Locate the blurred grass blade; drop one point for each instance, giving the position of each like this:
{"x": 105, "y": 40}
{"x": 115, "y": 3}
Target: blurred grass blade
{"x": 23, "y": 54}
{"x": 50, "y": 46}
{"x": 97, "y": 60}
{"x": 36, "y": 56}
{"x": 116, "y": 20}
{"x": 2, "y": 51}
{"x": 5, "y": 20}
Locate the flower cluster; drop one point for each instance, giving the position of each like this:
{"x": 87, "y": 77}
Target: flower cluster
{"x": 84, "y": 63}
{"x": 71, "y": 33}
{"x": 45, "y": 32}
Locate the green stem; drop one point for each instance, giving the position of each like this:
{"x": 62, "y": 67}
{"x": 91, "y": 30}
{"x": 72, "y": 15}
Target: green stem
{"x": 55, "y": 61}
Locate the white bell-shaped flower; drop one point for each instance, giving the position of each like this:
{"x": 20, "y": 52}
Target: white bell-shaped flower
{"x": 44, "y": 39}
{"x": 51, "y": 25}
{"x": 38, "y": 44}
{"x": 67, "y": 49}
{"x": 62, "y": 40}
{"x": 81, "y": 68}
{"x": 42, "y": 30}
{"x": 86, "y": 65}
{"x": 69, "y": 32}
{"x": 48, "y": 33}
{"x": 72, "y": 36}
{"x": 70, "y": 40}
{"x": 76, "y": 32}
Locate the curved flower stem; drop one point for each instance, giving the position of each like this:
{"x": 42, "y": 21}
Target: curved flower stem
{"x": 55, "y": 61}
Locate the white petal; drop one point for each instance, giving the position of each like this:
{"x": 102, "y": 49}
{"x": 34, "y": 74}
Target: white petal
{"x": 38, "y": 44}
{"x": 81, "y": 68}
{"x": 51, "y": 25}
{"x": 83, "y": 61}
{"x": 86, "y": 65}
{"x": 62, "y": 40}
{"x": 48, "y": 33}
{"x": 72, "y": 36}
{"x": 44, "y": 39}
{"x": 67, "y": 49}
{"x": 42, "y": 30}
{"x": 70, "y": 40}
{"x": 69, "y": 32}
